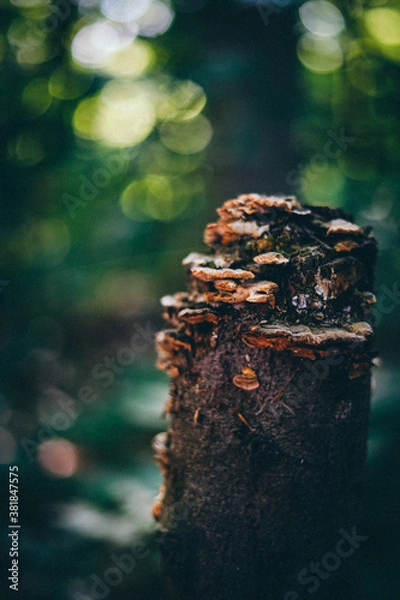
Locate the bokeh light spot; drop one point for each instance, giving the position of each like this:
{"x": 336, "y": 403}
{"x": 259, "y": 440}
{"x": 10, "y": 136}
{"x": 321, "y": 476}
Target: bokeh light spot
{"x": 322, "y": 18}
{"x": 67, "y": 85}
{"x": 323, "y": 186}
{"x": 122, "y": 115}
{"x": 184, "y": 102}
{"x": 36, "y": 98}
{"x": 161, "y": 203}
{"x": 380, "y": 207}
{"x": 84, "y": 117}
{"x": 124, "y": 11}
{"x": 156, "y": 20}
{"x": 94, "y": 44}
{"x": 133, "y": 201}
{"x": 26, "y": 149}
{"x": 29, "y": 42}
{"x": 187, "y": 137}
{"x": 384, "y": 25}
{"x": 132, "y": 61}
{"x": 155, "y": 197}
{"x": 319, "y": 54}
{"x": 156, "y": 158}
{"x": 126, "y": 114}
{"x": 59, "y": 457}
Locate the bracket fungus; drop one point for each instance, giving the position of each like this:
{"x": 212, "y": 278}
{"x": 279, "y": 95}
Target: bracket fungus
{"x": 207, "y": 274}
{"x": 269, "y": 352}
{"x": 270, "y": 258}
{"x": 341, "y": 226}
{"x": 247, "y": 379}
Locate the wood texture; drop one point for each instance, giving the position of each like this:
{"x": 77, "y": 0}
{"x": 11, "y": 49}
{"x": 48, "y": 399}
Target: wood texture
{"x": 269, "y": 361}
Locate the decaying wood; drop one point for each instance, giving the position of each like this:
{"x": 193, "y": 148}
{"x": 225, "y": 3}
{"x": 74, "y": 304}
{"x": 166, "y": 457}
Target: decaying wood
{"x": 269, "y": 353}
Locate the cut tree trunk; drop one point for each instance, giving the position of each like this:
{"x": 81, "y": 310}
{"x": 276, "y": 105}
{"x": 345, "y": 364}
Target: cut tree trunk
{"x": 269, "y": 354}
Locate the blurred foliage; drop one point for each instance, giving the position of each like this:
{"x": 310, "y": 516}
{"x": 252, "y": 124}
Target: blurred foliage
{"x": 123, "y": 125}
{"x": 350, "y": 53}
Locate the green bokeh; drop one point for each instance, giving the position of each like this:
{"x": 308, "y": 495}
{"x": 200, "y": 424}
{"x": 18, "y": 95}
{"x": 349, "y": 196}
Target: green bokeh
{"x": 121, "y": 133}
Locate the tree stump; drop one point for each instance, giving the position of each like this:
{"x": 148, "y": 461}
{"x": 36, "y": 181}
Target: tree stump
{"x": 269, "y": 354}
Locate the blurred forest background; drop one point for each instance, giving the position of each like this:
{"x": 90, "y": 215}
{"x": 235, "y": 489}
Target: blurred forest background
{"x": 124, "y": 124}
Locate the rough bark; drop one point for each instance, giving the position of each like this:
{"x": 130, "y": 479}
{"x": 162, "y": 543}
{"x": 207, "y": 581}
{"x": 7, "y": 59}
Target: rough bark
{"x": 269, "y": 354}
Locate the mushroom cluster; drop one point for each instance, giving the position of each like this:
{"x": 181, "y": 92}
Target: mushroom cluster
{"x": 281, "y": 285}
{"x": 273, "y": 251}
{"x": 301, "y": 277}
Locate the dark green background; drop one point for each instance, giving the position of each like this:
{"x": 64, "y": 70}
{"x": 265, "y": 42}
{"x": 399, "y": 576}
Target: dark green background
{"x": 77, "y": 280}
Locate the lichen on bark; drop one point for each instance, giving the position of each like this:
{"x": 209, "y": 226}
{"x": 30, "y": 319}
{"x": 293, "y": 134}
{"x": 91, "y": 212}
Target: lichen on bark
{"x": 269, "y": 354}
